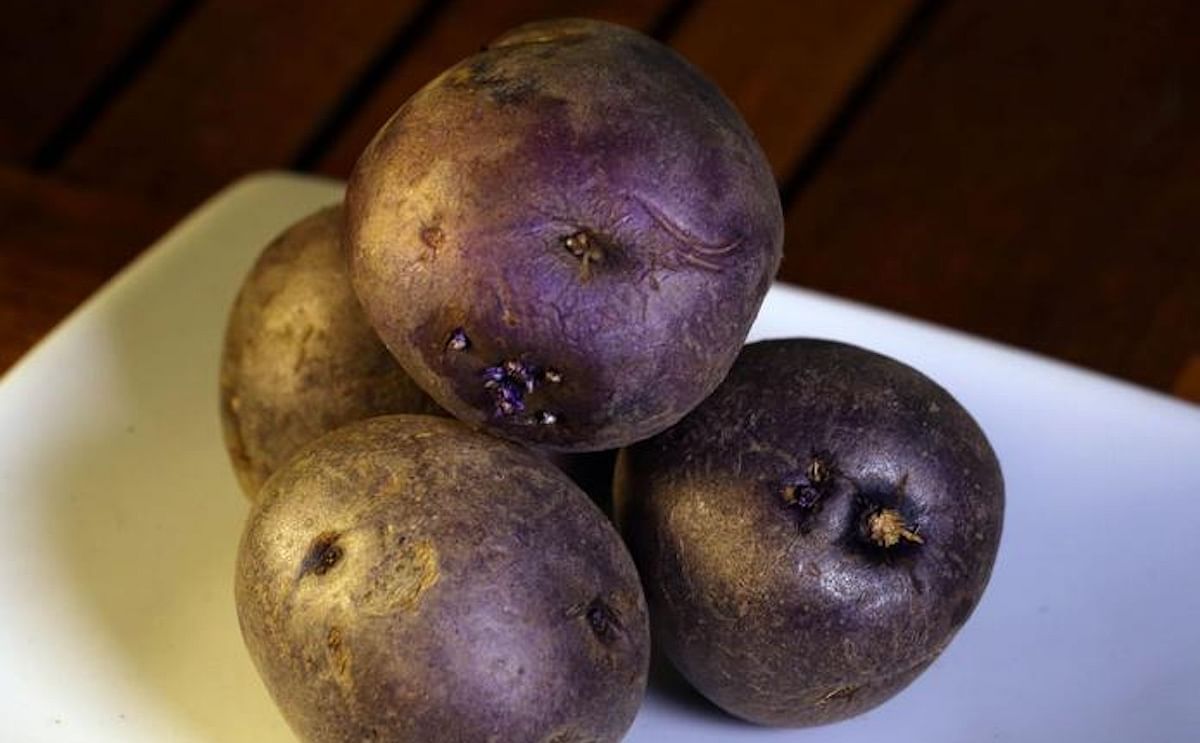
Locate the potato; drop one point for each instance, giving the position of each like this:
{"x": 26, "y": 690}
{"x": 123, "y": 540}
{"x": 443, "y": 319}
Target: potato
{"x": 565, "y": 238}
{"x": 407, "y": 579}
{"x": 299, "y": 357}
{"x": 815, "y": 533}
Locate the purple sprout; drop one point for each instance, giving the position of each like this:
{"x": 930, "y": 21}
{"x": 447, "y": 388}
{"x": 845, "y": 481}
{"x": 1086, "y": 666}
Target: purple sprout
{"x": 509, "y": 398}
{"x": 511, "y": 380}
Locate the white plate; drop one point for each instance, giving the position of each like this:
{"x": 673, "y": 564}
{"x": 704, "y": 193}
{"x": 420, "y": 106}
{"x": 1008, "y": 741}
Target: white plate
{"x": 121, "y": 518}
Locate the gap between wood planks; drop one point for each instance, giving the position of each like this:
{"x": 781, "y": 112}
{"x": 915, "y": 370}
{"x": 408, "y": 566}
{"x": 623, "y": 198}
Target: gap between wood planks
{"x": 334, "y": 124}
{"x": 110, "y": 85}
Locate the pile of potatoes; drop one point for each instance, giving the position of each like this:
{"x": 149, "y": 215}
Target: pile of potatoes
{"x": 552, "y": 252}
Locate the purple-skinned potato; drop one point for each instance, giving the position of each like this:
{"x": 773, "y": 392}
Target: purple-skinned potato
{"x": 407, "y": 579}
{"x": 814, "y": 534}
{"x": 565, "y": 238}
{"x": 300, "y": 360}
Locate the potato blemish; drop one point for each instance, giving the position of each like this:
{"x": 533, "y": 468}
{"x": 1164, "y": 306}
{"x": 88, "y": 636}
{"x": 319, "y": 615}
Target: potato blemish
{"x": 805, "y": 492}
{"x": 841, "y": 693}
{"x": 399, "y": 583}
{"x": 339, "y": 657}
{"x": 323, "y": 555}
{"x": 602, "y": 619}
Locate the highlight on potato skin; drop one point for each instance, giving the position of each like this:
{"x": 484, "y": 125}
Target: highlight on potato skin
{"x": 405, "y": 578}
{"x": 565, "y": 238}
{"x": 299, "y": 358}
{"x": 814, "y": 534}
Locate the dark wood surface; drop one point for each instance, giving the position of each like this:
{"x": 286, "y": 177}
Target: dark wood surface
{"x": 1030, "y": 173}
{"x": 1026, "y": 171}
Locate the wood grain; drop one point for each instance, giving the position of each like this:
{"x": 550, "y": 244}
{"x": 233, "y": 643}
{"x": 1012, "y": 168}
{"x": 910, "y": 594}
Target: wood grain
{"x": 54, "y": 52}
{"x": 788, "y": 66}
{"x": 1028, "y": 174}
{"x": 58, "y": 244}
{"x": 237, "y": 89}
{"x": 451, "y": 38}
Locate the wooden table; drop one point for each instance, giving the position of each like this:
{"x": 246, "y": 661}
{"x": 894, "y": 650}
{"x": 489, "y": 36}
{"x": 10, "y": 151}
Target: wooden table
{"x": 1026, "y": 170}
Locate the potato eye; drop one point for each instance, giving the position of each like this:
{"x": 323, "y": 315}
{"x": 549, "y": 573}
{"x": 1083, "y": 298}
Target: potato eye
{"x": 322, "y": 555}
{"x": 458, "y": 340}
{"x": 603, "y": 620}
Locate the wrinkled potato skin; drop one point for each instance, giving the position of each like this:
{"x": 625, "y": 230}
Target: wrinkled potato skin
{"x": 455, "y": 605}
{"x": 786, "y": 616}
{"x": 299, "y": 358}
{"x": 460, "y": 210}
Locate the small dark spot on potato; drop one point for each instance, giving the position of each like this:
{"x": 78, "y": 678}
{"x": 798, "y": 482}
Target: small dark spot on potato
{"x": 339, "y": 659}
{"x": 804, "y": 492}
{"x": 482, "y": 75}
{"x": 323, "y": 554}
{"x": 918, "y": 584}
{"x": 800, "y": 494}
{"x": 433, "y": 237}
{"x": 603, "y": 620}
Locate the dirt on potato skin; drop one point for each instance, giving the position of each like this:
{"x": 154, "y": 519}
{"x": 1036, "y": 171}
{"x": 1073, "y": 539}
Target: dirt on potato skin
{"x": 574, "y": 199}
{"x": 299, "y": 358}
{"x": 814, "y": 534}
{"x": 405, "y": 578}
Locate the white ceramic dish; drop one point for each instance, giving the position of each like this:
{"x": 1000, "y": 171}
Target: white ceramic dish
{"x": 121, "y": 518}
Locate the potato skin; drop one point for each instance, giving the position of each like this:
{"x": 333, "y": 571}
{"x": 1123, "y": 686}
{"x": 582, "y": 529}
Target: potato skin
{"x": 764, "y": 585}
{"x": 574, "y": 199}
{"x": 407, "y": 579}
{"x": 299, "y": 358}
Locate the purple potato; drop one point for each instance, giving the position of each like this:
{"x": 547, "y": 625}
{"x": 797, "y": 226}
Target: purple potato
{"x": 565, "y": 238}
{"x": 814, "y": 534}
{"x": 407, "y": 579}
{"x": 300, "y": 358}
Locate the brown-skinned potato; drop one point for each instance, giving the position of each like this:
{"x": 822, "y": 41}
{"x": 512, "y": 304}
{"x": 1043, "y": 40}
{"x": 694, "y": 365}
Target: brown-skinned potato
{"x": 565, "y": 238}
{"x": 407, "y": 579}
{"x": 299, "y": 358}
{"x": 813, "y": 535}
